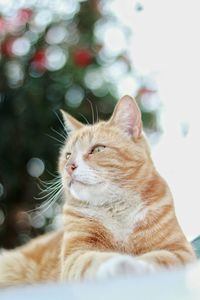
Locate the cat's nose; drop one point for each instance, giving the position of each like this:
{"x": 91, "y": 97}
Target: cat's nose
{"x": 70, "y": 168}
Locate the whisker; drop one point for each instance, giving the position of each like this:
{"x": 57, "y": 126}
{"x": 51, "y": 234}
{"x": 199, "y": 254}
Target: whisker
{"x": 92, "y": 110}
{"x": 49, "y": 185}
{"x": 54, "y": 138}
{"x": 97, "y": 113}
{"x": 52, "y": 195}
{"x": 47, "y": 204}
{"x": 61, "y": 122}
{"x": 84, "y": 118}
{"x": 55, "y": 176}
{"x": 60, "y": 134}
{"x": 50, "y": 190}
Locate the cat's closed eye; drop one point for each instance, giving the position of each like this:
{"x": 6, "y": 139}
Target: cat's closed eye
{"x": 97, "y": 148}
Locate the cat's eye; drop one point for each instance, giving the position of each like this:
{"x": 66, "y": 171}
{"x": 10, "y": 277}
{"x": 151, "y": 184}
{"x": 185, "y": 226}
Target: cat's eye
{"x": 97, "y": 148}
{"x": 67, "y": 155}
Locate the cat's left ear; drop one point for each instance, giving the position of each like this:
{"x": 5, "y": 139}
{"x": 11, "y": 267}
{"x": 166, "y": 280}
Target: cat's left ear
{"x": 71, "y": 123}
{"x": 127, "y": 116}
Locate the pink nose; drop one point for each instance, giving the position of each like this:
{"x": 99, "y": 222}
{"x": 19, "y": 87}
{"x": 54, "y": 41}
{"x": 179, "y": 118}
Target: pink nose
{"x": 70, "y": 168}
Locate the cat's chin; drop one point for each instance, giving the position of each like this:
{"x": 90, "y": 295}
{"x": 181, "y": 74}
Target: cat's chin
{"x": 80, "y": 190}
{"x": 85, "y": 192}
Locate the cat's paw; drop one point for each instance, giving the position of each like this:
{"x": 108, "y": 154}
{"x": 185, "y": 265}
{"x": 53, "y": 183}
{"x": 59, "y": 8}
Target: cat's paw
{"x": 121, "y": 265}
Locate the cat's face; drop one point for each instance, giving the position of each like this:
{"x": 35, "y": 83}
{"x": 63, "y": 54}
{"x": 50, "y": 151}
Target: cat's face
{"x": 100, "y": 162}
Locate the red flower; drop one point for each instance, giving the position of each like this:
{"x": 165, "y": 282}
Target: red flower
{"x": 39, "y": 60}
{"x": 24, "y": 15}
{"x": 6, "y": 47}
{"x": 82, "y": 57}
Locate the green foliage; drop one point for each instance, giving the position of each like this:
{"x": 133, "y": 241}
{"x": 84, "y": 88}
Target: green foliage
{"x": 44, "y": 66}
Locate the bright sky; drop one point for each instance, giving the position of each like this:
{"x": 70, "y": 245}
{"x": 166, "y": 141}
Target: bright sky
{"x": 165, "y": 45}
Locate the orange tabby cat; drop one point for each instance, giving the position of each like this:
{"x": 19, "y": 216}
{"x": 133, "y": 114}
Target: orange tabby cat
{"x": 118, "y": 215}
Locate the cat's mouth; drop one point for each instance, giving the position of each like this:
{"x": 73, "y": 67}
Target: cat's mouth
{"x": 76, "y": 181}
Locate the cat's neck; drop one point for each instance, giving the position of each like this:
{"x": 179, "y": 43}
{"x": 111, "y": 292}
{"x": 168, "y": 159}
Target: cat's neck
{"x": 132, "y": 207}
{"x": 123, "y": 202}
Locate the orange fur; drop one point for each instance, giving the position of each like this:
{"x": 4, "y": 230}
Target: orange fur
{"x": 129, "y": 226}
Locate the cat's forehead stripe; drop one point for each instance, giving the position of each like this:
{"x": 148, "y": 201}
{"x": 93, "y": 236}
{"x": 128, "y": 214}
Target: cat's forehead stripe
{"x": 85, "y": 135}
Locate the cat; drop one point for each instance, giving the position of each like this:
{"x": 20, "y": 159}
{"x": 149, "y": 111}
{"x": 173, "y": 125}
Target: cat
{"x": 118, "y": 214}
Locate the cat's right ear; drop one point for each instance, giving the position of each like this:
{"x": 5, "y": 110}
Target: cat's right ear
{"x": 70, "y": 122}
{"x": 127, "y": 116}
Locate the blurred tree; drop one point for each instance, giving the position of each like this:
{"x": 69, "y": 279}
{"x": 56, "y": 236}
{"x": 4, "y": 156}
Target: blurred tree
{"x": 52, "y": 55}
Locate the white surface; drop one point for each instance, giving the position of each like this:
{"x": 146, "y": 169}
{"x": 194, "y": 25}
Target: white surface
{"x": 165, "y": 46}
{"x": 170, "y": 285}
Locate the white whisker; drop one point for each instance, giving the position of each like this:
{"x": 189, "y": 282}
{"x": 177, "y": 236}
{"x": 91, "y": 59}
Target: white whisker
{"x": 97, "y": 113}
{"x": 54, "y": 138}
{"x": 59, "y": 119}
{"x": 63, "y": 136}
{"x": 50, "y": 190}
{"x": 92, "y": 110}
{"x": 84, "y": 118}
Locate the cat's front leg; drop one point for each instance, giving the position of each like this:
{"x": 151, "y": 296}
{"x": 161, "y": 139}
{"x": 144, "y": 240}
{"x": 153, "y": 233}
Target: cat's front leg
{"x": 102, "y": 265}
{"x": 89, "y": 264}
{"x": 83, "y": 264}
{"x": 150, "y": 262}
{"x": 16, "y": 269}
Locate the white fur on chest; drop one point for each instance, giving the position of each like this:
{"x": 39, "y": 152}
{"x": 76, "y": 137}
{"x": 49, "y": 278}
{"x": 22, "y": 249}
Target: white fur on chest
{"x": 119, "y": 221}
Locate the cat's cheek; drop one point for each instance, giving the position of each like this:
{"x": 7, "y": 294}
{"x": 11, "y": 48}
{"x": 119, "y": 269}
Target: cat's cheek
{"x": 123, "y": 265}
{"x": 65, "y": 182}
{"x": 80, "y": 191}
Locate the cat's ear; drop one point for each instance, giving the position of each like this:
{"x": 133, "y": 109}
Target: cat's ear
{"x": 127, "y": 116}
{"x": 70, "y": 122}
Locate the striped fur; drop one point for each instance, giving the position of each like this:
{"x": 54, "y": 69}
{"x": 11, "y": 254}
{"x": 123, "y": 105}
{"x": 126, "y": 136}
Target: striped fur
{"x": 118, "y": 215}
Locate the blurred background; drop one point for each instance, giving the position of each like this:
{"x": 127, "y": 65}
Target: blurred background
{"x": 82, "y": 56}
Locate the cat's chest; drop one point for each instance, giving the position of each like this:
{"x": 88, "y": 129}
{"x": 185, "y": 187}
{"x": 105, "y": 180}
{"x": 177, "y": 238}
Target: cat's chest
{"x": 118, "y": 222}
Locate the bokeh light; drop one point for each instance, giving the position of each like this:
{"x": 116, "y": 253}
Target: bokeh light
{"x": 42, "y": 19}
{"x": 1, "y": 190}
{"x": 15, "y": 74}
{"x": 74, "y": 96}
{"x": 37, "y": 221}
{"x": 21, "y": 46}
{"x": 93, "y": 78}
{"x": 114, "y": 40}
{"x": 129, "y": 84}
{"x": 56, "y": 34}
{"x": 57, "y": 222}
{"x": 56, "y": 58}
{"x": 35, "y": 167}
{"x": 2, "y": 217}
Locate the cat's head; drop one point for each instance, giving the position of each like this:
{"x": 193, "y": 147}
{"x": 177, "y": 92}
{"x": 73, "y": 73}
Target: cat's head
{"x": 101, "y": 162}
